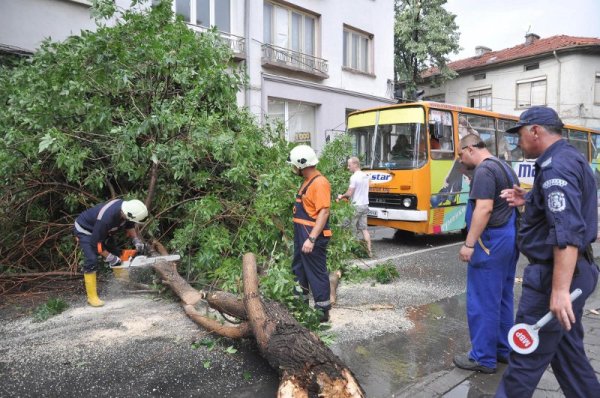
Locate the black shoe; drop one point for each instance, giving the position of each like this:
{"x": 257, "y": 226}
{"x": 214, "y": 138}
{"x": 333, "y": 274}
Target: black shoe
{"x": 502, "y": 359}
{"x": 464, "y": 362}
{"x": 324, "y": 317}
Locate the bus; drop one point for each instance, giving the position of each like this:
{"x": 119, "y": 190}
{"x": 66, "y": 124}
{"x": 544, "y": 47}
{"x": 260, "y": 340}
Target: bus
{"x": 410, "y": 151}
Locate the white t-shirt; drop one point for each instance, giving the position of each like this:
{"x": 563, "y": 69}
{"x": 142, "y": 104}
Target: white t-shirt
{"x": 360, "y": 182}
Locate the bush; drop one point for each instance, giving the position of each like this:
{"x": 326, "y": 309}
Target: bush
{"x": 147, "y": 109}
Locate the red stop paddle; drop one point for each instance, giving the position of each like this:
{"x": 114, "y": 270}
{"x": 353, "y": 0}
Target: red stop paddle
{"x": 524, "y": 338}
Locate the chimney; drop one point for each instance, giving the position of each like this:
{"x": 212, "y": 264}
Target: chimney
{"x": 480, "y": 50}
{"x": 530, "y": 38}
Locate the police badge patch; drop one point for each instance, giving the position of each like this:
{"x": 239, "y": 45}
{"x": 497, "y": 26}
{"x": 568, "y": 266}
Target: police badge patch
{"x": 556, "y": 201}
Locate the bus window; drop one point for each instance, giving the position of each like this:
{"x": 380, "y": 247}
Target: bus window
{"x": 441, "y": 136}
{"x": 400, "y": 146}
{"x": 482, "y": 126}
{"x": 596, "y": 147}
{"x": 579, "y": 140}
{"x": 361, "y": 142}
{"x": 508, "y": 144}
{"x": 596, "y": 157}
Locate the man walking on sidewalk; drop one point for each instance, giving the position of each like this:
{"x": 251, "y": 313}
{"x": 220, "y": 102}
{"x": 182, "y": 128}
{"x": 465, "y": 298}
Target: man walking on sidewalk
{"x": 559, "y": 224}
{"x": 491, "y": 251}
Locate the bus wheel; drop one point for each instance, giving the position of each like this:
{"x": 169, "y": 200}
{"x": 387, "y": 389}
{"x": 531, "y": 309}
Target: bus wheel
{"x": 401, "y": 235}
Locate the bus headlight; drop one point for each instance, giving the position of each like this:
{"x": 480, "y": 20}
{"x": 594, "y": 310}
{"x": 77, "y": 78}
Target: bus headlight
{"x": 407, "y": 202}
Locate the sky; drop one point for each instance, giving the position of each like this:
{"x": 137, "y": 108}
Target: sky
{"x": 500, "y": 24}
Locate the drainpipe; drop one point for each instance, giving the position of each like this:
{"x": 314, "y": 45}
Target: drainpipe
{"x": 558, "y": 84}
{"x": 247, "y": 47}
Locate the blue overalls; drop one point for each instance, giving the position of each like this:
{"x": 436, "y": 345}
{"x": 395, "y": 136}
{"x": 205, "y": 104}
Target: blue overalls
{"x": 490, "y": 280}
{"x": 560, "y": 210}
{"x": 93, "y": 229}
{"x": 310, "y": 269}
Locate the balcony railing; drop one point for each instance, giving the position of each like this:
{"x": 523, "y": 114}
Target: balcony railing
{"x": 237, "y": 44}
{"x": 294, "y": 60}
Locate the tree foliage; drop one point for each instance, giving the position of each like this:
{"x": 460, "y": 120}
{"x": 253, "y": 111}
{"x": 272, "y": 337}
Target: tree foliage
{"x": 425, "y": 33}
{"x": 147, "y": 109}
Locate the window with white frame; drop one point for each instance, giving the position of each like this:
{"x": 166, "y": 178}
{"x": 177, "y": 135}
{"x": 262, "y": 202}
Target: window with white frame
{"x": 531, "y": 92}
{"x": 205, "y": 13}
{"x": 358, "y": 50}
{"x": 297, "y": 118}
{"x": 597, "y": 89}
{"x": 289, "y": 28}
{"x": 480, "y": 98}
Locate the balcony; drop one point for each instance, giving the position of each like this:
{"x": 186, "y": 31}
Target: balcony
{"x": 237, "y": 44}
{"x": 279, "y": 57}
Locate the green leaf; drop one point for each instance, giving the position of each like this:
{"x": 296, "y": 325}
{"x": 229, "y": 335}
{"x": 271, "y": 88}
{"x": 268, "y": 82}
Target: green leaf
{"x": 45, "y": 142}
{"x": 230, "y": 350}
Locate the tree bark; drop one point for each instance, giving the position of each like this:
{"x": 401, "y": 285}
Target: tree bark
{"x": 307, "y": 367}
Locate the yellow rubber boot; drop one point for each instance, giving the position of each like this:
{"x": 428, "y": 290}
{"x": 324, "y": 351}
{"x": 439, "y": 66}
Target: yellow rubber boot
{"x": 90, "y": 289}
{"x": 121, "y": 273}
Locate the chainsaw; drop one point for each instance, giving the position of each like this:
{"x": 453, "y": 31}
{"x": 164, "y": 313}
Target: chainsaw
{"x": 129, "y": 259}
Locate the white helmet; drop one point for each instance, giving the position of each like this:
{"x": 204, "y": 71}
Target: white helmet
{"x": 134, "y": 210}
{"x": 302, "y": 157}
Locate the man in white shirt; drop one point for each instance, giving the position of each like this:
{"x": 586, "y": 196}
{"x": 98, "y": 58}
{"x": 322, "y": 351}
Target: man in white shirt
{"x": 359, "y": 192}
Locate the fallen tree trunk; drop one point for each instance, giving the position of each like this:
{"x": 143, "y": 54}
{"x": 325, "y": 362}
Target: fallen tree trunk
{"x": 308, "y": 368}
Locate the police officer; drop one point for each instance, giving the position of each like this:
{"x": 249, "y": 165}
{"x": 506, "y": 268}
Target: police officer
{"x": 311, "y": 229}
{"x": 93, "y": 229}
{"x": 558, "y": 226}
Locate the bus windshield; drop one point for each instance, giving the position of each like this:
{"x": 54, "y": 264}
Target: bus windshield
{"x": 391, "y": 146}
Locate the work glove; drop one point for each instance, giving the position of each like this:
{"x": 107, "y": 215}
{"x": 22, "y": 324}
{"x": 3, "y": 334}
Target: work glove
{"x": 140, "y": 246}
{"x": 112, "y": 260}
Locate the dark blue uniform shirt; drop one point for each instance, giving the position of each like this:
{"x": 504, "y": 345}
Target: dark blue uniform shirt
{"x": 562, "y": 207}
{"x": 103, "y": 220}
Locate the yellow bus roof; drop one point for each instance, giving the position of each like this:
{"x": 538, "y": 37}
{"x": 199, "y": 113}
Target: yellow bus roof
{"x": 465, "y": 109}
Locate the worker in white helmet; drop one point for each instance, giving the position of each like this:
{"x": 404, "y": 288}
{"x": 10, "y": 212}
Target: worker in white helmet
{"x": 93, "y": 230}
{"x": 311, "y": 229}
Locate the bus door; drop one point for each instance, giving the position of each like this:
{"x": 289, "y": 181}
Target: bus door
{"x": 596, "y": 158}
{"x": 447, "y": 202}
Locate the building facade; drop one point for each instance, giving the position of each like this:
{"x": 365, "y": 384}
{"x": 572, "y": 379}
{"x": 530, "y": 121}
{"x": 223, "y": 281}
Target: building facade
{"x": 562, "y": 72}
{"x": 309, "y": 62}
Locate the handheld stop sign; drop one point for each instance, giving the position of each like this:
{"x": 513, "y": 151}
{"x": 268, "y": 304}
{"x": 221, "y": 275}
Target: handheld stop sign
{"x": 524, "y": 339}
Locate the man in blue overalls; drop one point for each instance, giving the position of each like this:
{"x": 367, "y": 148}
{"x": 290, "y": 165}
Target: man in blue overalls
{"x": 558, "y": 226}
{"x": 491, "y": 251}
{"x": 93, "y": 229}
{"x": 311, "y": 229}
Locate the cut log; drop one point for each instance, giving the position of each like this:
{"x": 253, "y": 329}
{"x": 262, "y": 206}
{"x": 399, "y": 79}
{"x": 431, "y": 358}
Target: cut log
{"x": 307, "y": 367}
{"x": 334, "y": 280}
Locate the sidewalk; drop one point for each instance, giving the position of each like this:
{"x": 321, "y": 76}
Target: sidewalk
{"x": 459, "y": 383}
